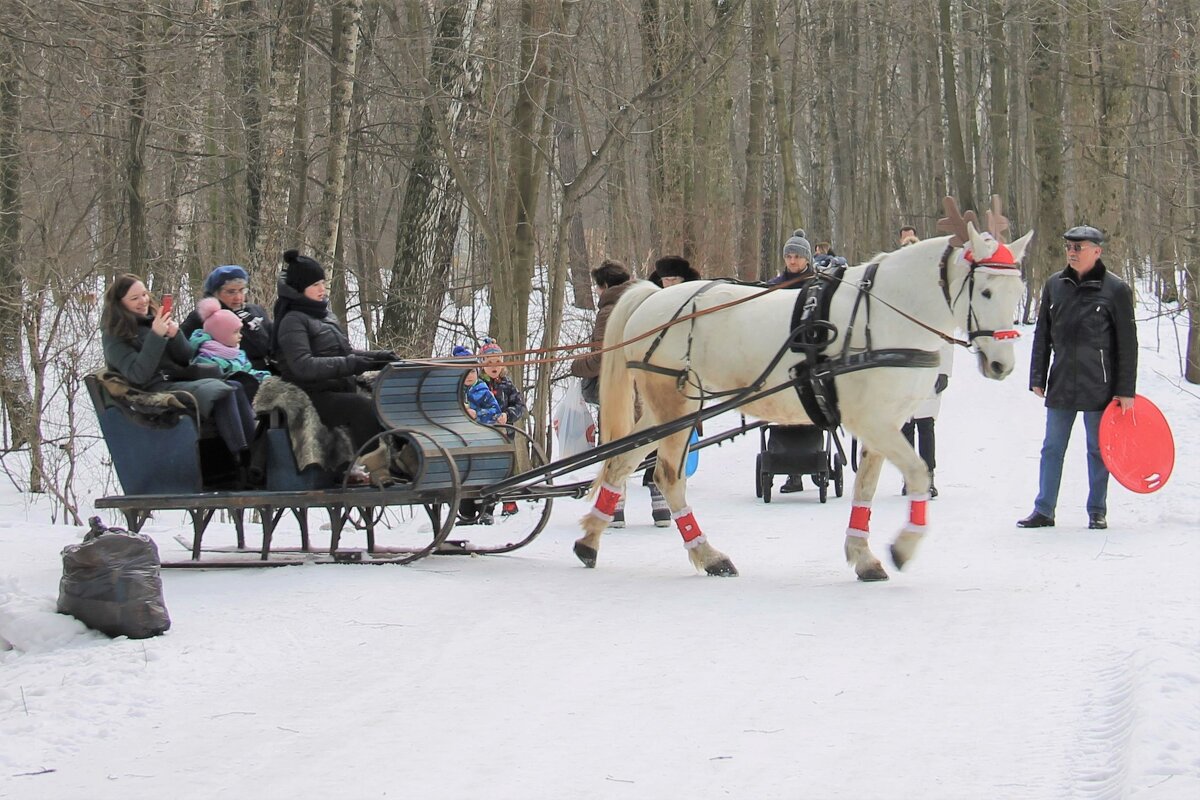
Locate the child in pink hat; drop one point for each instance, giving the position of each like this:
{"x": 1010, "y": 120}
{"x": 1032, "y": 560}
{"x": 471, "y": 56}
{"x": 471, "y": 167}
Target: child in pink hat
{"x": 218, "y": 341}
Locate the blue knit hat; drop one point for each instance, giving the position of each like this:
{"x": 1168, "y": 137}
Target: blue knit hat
{"x": 223, "y": 275}
{"x": 460, "y": 351}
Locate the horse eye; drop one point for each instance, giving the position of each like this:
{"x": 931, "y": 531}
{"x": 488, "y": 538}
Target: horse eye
{"x": 987, "y": 294}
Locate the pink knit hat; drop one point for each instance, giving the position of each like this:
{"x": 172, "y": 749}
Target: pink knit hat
{"x": 220, "y": 323}
{"x": 489, "y": 347}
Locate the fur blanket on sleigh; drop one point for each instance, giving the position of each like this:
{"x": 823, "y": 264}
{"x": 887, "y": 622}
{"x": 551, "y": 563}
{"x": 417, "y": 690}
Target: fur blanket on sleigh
{"x": 312, "y": 442}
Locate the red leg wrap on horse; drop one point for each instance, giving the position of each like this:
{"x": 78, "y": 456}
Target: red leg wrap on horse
{"x": 688, "y": 528}
{"x": 860, "y": 518}
{"x": 916, "y": 512}
{"x": 607, "y": 500}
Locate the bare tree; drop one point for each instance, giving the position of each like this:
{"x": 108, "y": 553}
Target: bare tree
{"x": 14, "y": 388}
{"x": 427, "y": 227}
{"x": 279, "y": 128}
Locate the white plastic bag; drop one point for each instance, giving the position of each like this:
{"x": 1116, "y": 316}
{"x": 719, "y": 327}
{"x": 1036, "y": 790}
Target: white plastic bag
{"x": 573, "y": 423}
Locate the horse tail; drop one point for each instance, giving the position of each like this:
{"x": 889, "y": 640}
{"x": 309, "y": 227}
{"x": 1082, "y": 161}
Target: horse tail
{"x": 616, "y": 379}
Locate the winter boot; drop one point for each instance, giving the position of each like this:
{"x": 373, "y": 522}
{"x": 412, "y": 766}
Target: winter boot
{"x": 375, "y": 464}
{"x": 659, "y": 508}
{"x": 794, "y": 483}
{"x": 932, "y": 488}
{"x": 618, "y": 520}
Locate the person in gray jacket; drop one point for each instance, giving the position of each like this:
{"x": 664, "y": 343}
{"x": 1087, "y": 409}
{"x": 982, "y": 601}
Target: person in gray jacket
{"x": 145, "y": 346}
{"x": 313, "y": 352}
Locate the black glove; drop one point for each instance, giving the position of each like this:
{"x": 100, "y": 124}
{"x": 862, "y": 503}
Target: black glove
{"x": 360, "y": 364}
{"x": 381, "y": 358}
{"x": 940, "y": 385}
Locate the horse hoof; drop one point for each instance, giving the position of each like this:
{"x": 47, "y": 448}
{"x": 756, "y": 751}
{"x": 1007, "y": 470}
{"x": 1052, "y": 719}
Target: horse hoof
{"x": 722, "y": 569}
{"x": 586, "y": 554}
{"x": 871, "y": 574}
{"x": 899, "y": 558}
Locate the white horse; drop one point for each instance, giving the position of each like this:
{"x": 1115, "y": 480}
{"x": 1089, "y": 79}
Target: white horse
{"x": 917, "y": 296}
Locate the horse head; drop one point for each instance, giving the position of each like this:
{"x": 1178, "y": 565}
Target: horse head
{"x": 992, "y": 288}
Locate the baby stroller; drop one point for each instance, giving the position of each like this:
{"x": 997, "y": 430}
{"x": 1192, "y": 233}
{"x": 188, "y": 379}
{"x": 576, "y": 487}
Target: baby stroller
{"x": 799, "y": 450}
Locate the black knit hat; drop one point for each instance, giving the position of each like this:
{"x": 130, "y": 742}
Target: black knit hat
{"x": 301, "y": 272}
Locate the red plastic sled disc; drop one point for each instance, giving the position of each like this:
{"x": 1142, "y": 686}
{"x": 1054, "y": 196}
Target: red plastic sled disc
{"x": 1137, "y": 446}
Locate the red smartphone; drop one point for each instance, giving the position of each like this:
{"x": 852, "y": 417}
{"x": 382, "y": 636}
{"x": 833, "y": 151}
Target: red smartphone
{"x": 167, "y": 300}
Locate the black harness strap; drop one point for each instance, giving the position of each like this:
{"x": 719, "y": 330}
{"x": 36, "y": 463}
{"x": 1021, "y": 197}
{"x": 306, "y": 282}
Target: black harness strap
{"x": 811, "y": 335}
{"x": 658, "y": 339}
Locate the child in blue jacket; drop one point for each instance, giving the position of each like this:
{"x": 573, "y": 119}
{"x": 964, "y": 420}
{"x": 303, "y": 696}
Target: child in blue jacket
{"x": 481, "y": 403}
{"x": 482, "y": 406}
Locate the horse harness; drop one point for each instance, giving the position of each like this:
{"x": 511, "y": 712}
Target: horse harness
{"x": 811, "y": 335}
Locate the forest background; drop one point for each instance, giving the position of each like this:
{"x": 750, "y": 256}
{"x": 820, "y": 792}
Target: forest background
{"x": 427, "y": 151}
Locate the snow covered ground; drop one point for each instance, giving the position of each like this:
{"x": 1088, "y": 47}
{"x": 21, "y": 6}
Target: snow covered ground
{"x": 1057, "y": 663}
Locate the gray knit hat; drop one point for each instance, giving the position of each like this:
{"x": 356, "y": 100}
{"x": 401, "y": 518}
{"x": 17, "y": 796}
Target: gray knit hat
{"x": 798, "y": 245}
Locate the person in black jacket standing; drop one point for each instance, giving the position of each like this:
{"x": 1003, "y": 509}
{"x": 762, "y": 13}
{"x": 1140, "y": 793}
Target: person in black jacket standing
{"x": 1086, "y": 322}
{"x": 314, "y": 353}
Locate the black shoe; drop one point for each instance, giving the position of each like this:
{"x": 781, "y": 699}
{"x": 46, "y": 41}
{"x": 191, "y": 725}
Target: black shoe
{"x": 660, "y": 512}
{"x": 618, "y": 520}
{"x": 794, "y": 483}
{"x": 1036, "y": 520}
{"x": 1096, "y": 521}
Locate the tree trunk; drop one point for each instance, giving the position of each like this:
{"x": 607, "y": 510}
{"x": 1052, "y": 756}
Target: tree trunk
{"x": 135, "y": 159}
{"x": 14, "y": 388}
{"x": 278, "y": 136}
{"x": 1185, "y": 107}
{"x": 568, "y": 168}
{"x": 347, "y": 15}
{"x": 1045, "y": 109}
{"x": 749, "y": 252}
{"x": 653, "y": 61}
{"x": 244, "y": 19}
{"x": 961, "y": 175}
{"x": 784, "y": 115}
{"x": 433, "y": 199}
{"x": 1116, "y": 60}
{"x": 185, "y": 180}
{"x": 528, "y": 138}
{"x": 998, "y": 109}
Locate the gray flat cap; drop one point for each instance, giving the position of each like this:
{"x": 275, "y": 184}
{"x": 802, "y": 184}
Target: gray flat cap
{"x": 1084, "y": 233}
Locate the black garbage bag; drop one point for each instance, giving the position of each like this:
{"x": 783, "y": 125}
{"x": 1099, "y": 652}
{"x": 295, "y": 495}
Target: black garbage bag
{"x": 112, "y": 583}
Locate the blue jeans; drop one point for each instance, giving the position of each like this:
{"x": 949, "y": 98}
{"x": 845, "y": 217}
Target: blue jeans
{"x": 1059, "y": 422}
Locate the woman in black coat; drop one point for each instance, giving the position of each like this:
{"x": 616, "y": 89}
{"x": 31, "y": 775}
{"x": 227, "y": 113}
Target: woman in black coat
{"x": 313, "y": 352}
{"x": 145, "y": 346}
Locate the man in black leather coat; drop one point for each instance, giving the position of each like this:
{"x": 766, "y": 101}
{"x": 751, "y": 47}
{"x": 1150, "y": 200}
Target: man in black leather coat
{"x": 1084, "y": 358}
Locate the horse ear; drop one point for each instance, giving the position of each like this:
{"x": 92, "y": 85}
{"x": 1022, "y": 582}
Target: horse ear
{"x": 1019, "y": 247}
{"x": 982, "y": 247}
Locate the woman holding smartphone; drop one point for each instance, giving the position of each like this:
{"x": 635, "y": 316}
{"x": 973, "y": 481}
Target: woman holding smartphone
{"x": 144, "y": 345}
